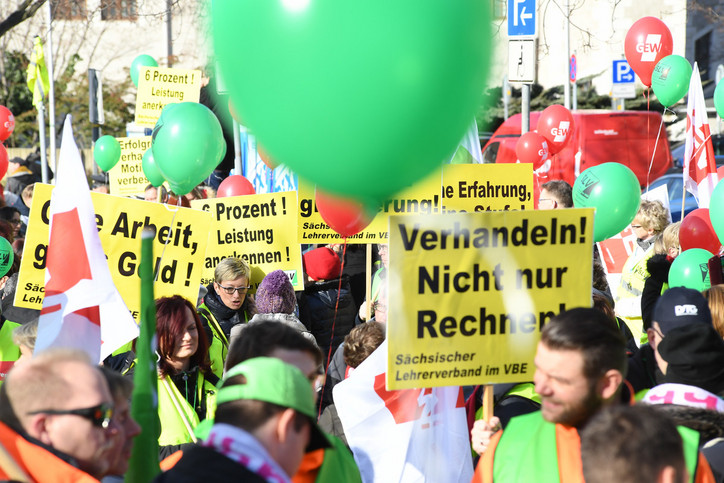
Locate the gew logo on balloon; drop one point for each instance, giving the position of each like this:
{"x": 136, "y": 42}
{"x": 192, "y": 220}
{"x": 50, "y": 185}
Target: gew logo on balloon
{"x": 650, "y": 48}
{"x": 589, "y": 181}
{"x": 561, "y": 131}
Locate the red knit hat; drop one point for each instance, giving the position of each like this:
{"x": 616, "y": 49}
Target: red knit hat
{"x": 322, "y": 264}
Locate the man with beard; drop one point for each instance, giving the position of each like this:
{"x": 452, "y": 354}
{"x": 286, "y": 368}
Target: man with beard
{"x": 580, "y": 365}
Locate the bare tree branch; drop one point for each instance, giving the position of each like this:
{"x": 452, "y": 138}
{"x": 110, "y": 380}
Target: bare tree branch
{"x": 25, "y": 10}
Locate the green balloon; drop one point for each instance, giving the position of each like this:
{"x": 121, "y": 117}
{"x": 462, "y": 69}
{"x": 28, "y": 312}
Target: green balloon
{"x": 670, "y": 79}
{"x": 716, "y": 209}
{"x": 691, "y": 270}
{"x": 141, "y": 61}
{"x": 719, "y": 99}
{"x": 7, "y": 255}
{"x": 360, "y": 98}
{"x": 614, "y": 191}
{"x": 106, "y": 152}
{"x": 150, "y": 170}
{"x": 187, "y": 144}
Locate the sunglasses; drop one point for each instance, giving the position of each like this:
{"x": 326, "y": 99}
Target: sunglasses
{"x": 231, "y": 290}
{"x": 100, "y": 416}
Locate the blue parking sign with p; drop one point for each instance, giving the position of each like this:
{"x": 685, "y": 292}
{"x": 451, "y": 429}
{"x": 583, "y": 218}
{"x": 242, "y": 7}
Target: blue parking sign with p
{"x": 622, "y": 72}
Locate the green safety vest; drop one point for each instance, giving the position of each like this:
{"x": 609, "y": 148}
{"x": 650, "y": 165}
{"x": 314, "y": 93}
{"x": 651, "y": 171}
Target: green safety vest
{"x": 9, "y": 352}
{"x": 173, "y": 428}
{"x": 527, "y": 451}
{"x": 219, "y": 343}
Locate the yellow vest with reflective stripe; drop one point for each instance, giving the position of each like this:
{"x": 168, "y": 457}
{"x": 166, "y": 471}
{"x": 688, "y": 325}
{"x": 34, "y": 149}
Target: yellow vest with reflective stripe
{"x": 173, "y": 429}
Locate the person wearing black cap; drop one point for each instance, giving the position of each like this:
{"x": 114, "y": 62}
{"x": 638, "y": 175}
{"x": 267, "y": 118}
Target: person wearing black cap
{"x": 677, "y": 307}
{"x": 264, "y": 423}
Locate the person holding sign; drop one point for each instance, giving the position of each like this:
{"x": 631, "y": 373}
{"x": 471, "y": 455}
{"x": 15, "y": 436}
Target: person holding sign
{"x": 186, "y": 388}
{"x": 580, "y": 366}
{"x": 226, "y": 305}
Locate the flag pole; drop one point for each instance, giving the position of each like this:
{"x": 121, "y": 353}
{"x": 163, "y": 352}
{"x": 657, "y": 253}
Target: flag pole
{"x": 43, "y": 154}
{"x": 51, "y": 95}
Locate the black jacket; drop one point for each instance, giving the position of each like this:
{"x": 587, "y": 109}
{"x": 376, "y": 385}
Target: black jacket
{"x": 202, "y": 464}
{"x": 317, "y": 312}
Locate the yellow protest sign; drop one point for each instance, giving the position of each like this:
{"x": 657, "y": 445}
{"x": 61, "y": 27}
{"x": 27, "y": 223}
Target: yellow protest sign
{"x": 126, "y": 178}
{"x": 487, "y": 187}
{"x": 260, "y": 229}
{"x": 422, "y": 197}
{"x": 470, "y": 292}
{"x": 158, "y": 86}
{"x": 179, "y": 247}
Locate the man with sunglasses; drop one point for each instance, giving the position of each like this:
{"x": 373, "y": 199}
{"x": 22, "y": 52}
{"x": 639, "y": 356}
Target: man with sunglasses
{"x": 56, "y": 419}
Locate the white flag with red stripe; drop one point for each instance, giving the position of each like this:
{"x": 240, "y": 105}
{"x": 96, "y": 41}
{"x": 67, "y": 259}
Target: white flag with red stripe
{"x": 82, "y": 308}
{"x": 700, "y": 175}
{"x": 404, "y": 436}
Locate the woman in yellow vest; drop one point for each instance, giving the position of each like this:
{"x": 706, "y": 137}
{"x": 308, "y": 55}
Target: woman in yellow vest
{"x": 186, "y": 387}
{"x": 225, "y": 305}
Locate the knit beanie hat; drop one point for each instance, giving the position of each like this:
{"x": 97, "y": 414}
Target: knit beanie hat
{"x": 322, "y": 264}
{"x": 695, "y": 356}
{"x": 275, "y": 294}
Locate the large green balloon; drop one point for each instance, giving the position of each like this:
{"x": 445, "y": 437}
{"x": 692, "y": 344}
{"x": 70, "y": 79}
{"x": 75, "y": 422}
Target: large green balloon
{"x": 360, "y": 98}
{"x": 670, "y": 79}
{"x": 187, "y": 145}
{"x": 141, "y": 61}
{"x": 614, "y": 191}
{"x": 106, "y": 152}
{"x": 716, "y": 209}
{"x": 7, "y": 255}
{"x": 719, "y": 99}
{"x": 690, "y": 269}
{"x": 150, "y": 170}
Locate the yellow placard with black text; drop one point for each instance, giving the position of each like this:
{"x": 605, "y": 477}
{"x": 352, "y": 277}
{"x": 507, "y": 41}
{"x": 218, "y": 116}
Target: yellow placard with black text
{"x": 422, "y": 197}
{"x": 179, "y": 247}
{"x": 470, "y": 292}
{"x": 158, "y": 86}
{"x": 459, "y": 187}
{"x": 260, "y": 229}
{"x": 126, "y": 178}
{"x": 487, "y": 187}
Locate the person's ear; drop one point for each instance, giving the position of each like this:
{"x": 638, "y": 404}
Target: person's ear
{"x": 3, "y": 281}
{"x": 668, "y": 475}
{"x": 37, "y": 427}
{"x": 609, "y": 383}
{"x": 285, "y": 424}
{"x": 653, "y": 340}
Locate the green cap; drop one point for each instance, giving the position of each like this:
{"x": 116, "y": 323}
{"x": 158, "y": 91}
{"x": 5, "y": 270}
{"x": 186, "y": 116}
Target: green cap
{"x": 274, "y": 381}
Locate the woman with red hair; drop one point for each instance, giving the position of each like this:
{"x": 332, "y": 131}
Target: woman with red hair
{"x": 187, "y": 387}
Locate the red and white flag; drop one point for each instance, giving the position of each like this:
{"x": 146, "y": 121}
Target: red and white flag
{"x": 699, "y": 164}
{"x": 82, "y": 308}
{"x": 409, "y": 435}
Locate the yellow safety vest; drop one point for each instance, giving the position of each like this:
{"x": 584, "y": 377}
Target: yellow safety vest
{"x": 178, "y": 418}
{"x": 9, "y": 352}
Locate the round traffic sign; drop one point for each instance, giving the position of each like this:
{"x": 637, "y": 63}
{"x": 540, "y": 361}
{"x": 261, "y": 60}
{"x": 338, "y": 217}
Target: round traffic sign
{"x": 572, "y": 68}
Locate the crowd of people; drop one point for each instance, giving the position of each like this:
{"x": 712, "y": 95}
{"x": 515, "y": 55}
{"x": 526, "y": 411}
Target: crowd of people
{"x": 628, "y": 390}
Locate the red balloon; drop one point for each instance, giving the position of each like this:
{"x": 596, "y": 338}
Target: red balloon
{"x": 3, "y": 161}
{"x": 532, "y": 148}
{"x": 647, "y": 42}
{"x": 266, "y": 159}
{"x": 555, "y": 124}
{"x": 7, "y": 123}
{"x": 344, "y": 216}
{"x": 235, "y": 185}
{"x": 696, "y": 232}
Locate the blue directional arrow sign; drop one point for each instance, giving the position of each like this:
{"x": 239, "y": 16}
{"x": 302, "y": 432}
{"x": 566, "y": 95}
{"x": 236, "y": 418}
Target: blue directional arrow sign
{"x": 522, "y": 18}
{"x": 622, "y": 72}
